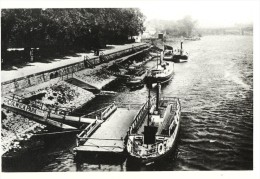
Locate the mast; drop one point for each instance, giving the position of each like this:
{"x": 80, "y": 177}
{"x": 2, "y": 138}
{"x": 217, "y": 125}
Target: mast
{"x": 158, "y": 96}
{"x": 161, "y": 57}
{"x": 157, "y": 61}
{"x": 181, "y": 48}
{"x": 149, "y": 106}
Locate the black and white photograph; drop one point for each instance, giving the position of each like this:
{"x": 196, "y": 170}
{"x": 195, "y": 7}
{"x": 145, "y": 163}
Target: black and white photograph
{"x": 130, "y": 86}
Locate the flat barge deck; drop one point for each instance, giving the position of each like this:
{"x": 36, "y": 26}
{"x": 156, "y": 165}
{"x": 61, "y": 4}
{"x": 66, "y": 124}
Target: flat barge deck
{"x": 107, "y": 136}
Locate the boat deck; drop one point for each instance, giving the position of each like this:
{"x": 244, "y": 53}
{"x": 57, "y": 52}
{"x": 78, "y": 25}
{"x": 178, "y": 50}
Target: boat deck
{"x": 162, "y": 128}
{"x": 109, "y": 137}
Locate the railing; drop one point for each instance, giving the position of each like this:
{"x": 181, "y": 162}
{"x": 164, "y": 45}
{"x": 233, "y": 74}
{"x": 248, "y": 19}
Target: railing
{"x": 108, "y": 111}
{"x": 83, "y": 136}
{"x": 104, "y": 58}
{"x": 168, "y": 98}
{"x": 153, "y": 149}
{"x": 129, "y": 105}
{"x": 24, "y": 107}
{"x": 61, "y": 71}
{"x": 100, "y": 113}
{"x": 40, "y": 105}
{"x": 95, "y": 114}
{"x": 176, "y": 117}
{"x": 140, "y": 116}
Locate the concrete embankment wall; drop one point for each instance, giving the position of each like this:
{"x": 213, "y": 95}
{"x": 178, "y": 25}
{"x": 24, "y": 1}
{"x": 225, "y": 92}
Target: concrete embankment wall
{"x": 65, "y": 72}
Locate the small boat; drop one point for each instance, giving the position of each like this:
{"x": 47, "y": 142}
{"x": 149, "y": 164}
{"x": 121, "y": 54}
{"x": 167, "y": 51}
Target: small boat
{"x": 153, "y": 133}
{"x": 175, "y": 56}
{"x": 162, "y": 73}
{"x": 137, "y": 80}
{"x": 131, "y": 71}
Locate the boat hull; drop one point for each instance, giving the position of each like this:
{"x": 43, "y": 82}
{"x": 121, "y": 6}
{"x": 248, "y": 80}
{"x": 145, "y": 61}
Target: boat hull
{"x": 139, "y": 160}
{"x": 176, "y": 58}
{"x": 151, "y": 79}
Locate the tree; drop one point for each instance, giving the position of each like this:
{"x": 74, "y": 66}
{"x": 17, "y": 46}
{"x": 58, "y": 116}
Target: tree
{"x": 186, "y": 26}
{"x": 59, "y": 30}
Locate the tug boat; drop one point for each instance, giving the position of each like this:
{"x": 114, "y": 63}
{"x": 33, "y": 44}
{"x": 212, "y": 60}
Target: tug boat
{"x": 175, "y": 56}
{"x": 154, "y": 131}
{"x": 162, "y": 73}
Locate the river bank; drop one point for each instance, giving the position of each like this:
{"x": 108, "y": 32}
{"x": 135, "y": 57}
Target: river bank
{"x": 37, "y": 67}
{"x": 52, "y": 95}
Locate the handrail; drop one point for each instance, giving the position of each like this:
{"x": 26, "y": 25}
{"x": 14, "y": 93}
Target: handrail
{"x": 92, "y": 138}
{"x": 16, "y": 104}
{"x": 129, "y": 105}
{"x": 140, "y": 114}
{"x": 36, "y": 104}
{"x": 87, "y": 129}
{"x": 108, "y": 111}
{"x": 97, "y": 113}
{"x": 154, "y": 147}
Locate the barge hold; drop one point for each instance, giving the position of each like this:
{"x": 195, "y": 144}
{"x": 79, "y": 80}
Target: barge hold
{"x": 107, "y": 134}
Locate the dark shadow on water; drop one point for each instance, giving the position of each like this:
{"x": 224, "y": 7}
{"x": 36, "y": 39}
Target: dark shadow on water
{"x": 164, "y": 164}
{"x": 93, "y": 158}
{"x": 33, "y": 160}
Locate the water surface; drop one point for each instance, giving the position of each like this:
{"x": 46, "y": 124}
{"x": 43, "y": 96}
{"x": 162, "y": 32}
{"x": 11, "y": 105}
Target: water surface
{"x": 215, "y": 88}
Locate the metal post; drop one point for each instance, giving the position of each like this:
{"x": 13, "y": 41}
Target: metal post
{"x": 157, "y": 60}
{"x": 149, "y": 96}
{"x": 181, "y": 48}
{"x": 158, "y": 95}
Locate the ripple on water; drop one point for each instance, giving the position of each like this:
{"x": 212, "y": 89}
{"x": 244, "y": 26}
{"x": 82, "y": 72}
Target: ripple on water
{"x": 216, "y": 92}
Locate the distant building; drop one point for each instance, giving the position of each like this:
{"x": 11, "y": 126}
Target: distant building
{"x": 160, "y": 36}
{"x": 138, "y": 38}
{"x": 149, "y": 33}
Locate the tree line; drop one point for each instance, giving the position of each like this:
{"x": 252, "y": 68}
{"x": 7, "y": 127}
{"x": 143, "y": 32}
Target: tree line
{"x": 185, "y": 27}
{"x": 60, "y": 30}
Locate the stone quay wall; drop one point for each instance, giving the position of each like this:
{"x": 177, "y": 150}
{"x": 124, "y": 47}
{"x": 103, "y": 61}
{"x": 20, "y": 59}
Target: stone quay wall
{"x": 65, "y": 72}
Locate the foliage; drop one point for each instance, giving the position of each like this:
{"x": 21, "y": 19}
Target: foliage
{"x": 59, "y": 30}
{"x": 185, "y": 27}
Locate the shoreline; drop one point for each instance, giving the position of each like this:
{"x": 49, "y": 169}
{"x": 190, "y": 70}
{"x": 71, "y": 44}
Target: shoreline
{"x": 99, "y": 77}
{"x": 39, "y": 67}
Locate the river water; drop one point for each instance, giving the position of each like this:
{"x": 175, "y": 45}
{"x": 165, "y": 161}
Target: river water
{"x": 215, "y": 88}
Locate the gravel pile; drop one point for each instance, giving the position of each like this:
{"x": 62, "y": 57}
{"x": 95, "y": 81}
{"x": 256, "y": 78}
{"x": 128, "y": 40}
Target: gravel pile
{"x": 16, "y": 128}
{"x": 98, "y": 77}
{"x": 61, "y": 94}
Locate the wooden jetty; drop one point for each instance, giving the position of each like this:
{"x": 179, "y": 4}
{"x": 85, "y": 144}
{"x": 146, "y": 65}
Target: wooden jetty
{"x": 105, "y": 130}
{"x": 50, "y": 118}
{"x": 109, "y": 135}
